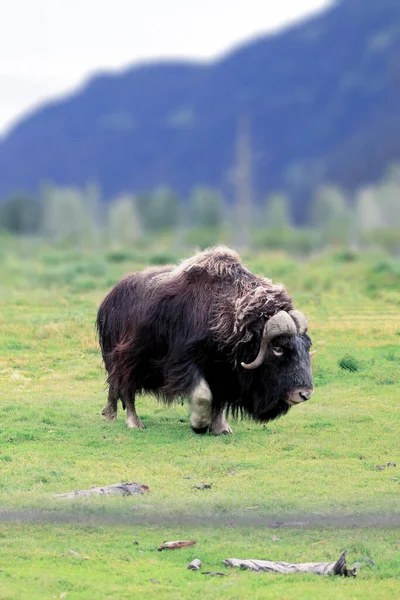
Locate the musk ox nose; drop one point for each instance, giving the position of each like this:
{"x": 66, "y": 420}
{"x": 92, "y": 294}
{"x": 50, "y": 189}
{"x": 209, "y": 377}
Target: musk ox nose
{"x": 300, "y": 395}
{"x": 306, "y": 394}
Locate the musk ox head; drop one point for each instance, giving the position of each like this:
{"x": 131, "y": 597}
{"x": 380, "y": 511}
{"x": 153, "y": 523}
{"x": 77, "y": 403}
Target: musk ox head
{"x": 281, "y": 372}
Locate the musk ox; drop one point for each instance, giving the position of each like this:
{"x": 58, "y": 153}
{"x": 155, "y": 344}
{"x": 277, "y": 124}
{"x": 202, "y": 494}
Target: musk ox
{"x": 210, "y": 330}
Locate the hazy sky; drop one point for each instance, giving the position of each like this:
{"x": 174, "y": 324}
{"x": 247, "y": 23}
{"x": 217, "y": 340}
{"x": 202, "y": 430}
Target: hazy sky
{"x": 49, "y": 46}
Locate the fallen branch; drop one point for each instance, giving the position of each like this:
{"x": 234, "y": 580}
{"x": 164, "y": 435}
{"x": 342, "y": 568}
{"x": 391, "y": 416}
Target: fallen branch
{"x": 176, "y": 545}
{"x": 336, "y": 568}
{"x": 118, "y": 489}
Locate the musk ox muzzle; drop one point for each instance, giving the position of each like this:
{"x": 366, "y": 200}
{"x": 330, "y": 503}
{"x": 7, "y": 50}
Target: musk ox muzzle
{"x": 299, "y": 396}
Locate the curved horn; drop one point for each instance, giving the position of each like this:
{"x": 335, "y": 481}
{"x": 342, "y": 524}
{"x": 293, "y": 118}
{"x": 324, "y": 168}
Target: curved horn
{"x": 280, "y": 324}
{"x": 300, "y": 320}
{"x": 257, "y": 362}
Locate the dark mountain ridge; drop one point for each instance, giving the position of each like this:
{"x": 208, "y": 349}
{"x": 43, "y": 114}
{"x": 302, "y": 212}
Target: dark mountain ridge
{"x": 321, "y": 99}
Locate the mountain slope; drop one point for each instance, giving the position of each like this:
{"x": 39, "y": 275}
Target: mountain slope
{"x": 322, "y": 100}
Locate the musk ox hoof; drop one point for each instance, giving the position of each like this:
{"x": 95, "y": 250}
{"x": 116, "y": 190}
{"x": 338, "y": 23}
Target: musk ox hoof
{"x": 109, "y": 415}
{"x": 225, "y": 430}
{"x": 134, "y": 423}
{"x": 200, "y": 430}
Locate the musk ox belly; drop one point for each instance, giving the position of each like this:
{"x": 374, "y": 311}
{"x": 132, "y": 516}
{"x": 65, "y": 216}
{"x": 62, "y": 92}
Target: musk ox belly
{"x": 223, "y": 382}
{"x": 148, "y": 362}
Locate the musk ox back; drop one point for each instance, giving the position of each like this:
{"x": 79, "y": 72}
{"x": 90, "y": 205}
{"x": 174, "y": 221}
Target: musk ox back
{"x": 210, "y": 330}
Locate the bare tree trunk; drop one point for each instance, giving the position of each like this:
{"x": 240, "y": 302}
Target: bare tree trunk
{"x": 243, "y": 185}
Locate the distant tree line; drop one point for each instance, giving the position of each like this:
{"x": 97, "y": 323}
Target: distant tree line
{"x": 369, "y": 218}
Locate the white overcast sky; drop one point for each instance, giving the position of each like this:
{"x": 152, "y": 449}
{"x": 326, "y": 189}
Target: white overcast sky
{"x": 48, "y": 47}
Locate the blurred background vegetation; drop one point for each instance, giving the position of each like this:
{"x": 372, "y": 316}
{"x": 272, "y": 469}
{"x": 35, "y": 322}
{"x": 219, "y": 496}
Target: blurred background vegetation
{"x": 286, "y": 143}
{"x": 73, "y": 217}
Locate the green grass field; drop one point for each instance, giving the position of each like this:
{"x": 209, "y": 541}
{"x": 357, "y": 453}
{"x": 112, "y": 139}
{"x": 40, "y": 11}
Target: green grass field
{"x": 315, "y": 471}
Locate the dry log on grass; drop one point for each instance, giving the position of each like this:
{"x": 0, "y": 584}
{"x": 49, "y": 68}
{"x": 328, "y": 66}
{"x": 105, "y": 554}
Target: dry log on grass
{"x": 176, "y": 545}
{"x": 118, "y": 489}
{"x": 336, "y": 568}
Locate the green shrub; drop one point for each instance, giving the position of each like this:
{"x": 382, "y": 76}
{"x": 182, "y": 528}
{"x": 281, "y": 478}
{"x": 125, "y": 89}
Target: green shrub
{"x": 384, "y": 274}
{"x": 349, "y": 363}
{"x": 346, "y": 255}
{"x": 162, "y": 259}
{"x": 121, "y": 256}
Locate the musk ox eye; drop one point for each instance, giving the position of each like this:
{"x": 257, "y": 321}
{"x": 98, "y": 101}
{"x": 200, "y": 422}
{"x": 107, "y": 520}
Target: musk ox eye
{"x": 277, "y": 350}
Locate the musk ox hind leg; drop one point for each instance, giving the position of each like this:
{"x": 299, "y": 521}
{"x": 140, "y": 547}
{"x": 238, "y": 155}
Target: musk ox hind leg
{"x": 110, "y": 410}
{"x": 132, "y": 419}
{"x": 200, "y": 407}
{"x": 219, "y": 424}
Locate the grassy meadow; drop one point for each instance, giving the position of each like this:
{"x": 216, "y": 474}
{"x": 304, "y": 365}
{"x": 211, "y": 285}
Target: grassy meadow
{"x": 303, "y": 488}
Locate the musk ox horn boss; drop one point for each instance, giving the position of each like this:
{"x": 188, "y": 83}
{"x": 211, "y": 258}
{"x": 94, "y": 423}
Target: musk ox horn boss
{"x": 210, "y": 330}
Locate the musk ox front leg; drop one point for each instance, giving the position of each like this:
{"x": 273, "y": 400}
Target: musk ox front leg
{"x": 201, "y": 408}
{"x": 219, "y": 424}
{"x": 203, "y": 417}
